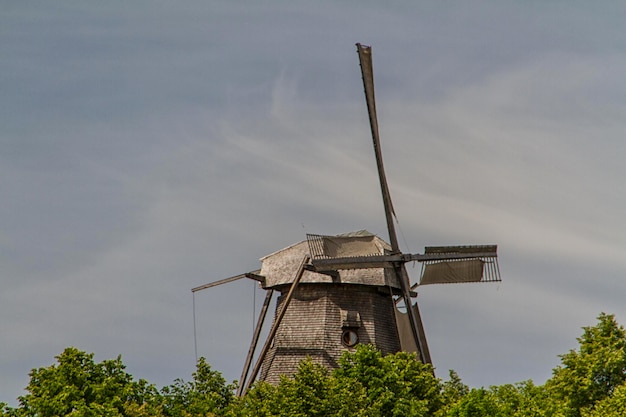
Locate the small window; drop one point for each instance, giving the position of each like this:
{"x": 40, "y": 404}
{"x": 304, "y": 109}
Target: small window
{"x": 350, "y": 319}
{"x": 349, "y": 338}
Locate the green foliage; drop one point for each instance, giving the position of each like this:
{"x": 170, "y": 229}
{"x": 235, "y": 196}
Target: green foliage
{"x": 77, "y": 386}
{"x": 206, "y": 394}
{"x": 453, "y": 390}
{"x": 477, "y": 403}
{"x": 594, "y": 371}
{"x": 366, "y": 384}
{"x": 515, "y": 400}
{"x": 312, "y": 391}
{"x": 611, "y": 406}
{"x": 394, "y": 385}
{"x": 6, "y": 411}
{"x": 590, "y": 382}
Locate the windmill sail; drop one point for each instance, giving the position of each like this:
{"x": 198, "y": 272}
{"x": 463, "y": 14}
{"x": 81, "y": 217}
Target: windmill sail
{"x": 361, "y": 243}
{"x": 440, "y": 264}
{"x": 367, "y": 72}
{"x": 405, "y": 333}
{"x": 337, "y": 291}
{"x": 458, "y": 264}
{"x": 447, "y": 272}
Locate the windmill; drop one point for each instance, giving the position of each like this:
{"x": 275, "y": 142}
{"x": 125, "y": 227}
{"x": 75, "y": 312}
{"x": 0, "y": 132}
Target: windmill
{"x": 338, "y": 291}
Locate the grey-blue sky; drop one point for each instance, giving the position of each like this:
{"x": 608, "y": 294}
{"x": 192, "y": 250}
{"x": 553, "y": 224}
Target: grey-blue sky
{"x": 151, "y": 147}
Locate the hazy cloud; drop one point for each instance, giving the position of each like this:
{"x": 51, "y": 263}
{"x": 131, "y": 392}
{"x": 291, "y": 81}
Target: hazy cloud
{"x": 150, "y": 148}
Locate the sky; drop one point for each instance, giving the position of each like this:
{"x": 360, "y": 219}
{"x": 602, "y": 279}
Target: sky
{"x": 150, "y": 147}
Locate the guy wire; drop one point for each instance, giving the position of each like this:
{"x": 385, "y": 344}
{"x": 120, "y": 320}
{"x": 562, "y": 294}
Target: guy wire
{"x": 195, "y": 337}
{"x": 253, "y": 304}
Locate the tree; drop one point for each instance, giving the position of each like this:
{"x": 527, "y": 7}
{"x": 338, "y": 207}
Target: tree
{"x": 366, "y": 384}
{"x": 612, "y": 406}
{"x": 590, "y": 382}
{"x": 476, "y": 403}
{"x": 77, "y": 386}
{"x": 453, "y": 391}
{"x": 206, "y": 394}
{"x": 523, "y": 399}
{"x": 311, "y": 392}
{"x": 395, "y": 385}
{"x": 594, "y": 371}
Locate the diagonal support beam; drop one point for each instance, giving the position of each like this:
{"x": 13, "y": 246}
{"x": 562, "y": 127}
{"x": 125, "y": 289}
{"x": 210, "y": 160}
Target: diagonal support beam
{"x": 255, "y": 340}
{"x": 274, "y": 329}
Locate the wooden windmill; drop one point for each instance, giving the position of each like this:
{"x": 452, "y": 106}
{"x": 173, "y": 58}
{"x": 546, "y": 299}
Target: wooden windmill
{"x": 338, "y": 291}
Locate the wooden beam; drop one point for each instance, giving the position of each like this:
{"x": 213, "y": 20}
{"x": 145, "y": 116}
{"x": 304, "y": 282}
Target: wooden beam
{"x": 255, "y": 339}
{"x": 390, "y": 261}
{"x": 277, "y": 321}
{"x": 253, "y": 275}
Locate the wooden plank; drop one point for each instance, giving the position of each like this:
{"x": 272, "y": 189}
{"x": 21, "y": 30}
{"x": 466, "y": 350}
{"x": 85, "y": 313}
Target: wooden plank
{"x": 274, "y": 329}
{"x": 253, "y": 275}
{"x": 390, "y": 261}
{"x": 255, "y": 339}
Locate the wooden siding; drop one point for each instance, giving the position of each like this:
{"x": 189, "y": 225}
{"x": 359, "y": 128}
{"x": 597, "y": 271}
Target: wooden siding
{"x": 314, "y": 322}
{"x": 279, "y": 269}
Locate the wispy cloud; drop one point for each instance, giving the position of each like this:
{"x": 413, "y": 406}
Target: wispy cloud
{"x": 150, "y": 150}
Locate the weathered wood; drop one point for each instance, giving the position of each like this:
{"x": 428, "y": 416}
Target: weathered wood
{"x": 389, "y": 261}
{"x": 279, "y": 317}
{"x": 279, "y": 269}
{"x": 314, "y": 323}
{"x": 255, "y": 340}
{"x": 367, "y": 71}
{"x": 469, "y": 249}
{"x": 253, "y": 275}
{"x": 420, "y": 328}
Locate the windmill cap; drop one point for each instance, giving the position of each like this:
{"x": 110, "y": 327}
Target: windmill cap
{"x": 280, "y": 267}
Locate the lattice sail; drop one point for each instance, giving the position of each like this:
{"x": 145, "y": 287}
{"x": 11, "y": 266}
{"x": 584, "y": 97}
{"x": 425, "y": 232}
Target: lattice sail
{"x": 361, "y": 243}
{"x": 457, "y": 264}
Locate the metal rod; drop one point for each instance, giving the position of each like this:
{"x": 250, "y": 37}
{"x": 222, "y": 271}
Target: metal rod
{"x": 255, "y": 339}
{"x": 274, "y": 329}
{"x": 195, "y": 337}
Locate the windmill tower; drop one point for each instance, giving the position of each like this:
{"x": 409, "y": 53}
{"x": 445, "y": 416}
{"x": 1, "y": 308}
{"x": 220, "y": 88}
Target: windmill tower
{"x": 338, "y": 291}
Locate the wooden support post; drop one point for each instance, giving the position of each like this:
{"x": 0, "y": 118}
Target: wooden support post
{"x": 255, "y": 339}
{"x": 274, "y": 329}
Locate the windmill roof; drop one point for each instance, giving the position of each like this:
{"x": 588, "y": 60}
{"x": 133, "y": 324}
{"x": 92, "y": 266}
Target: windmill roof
{"x": 358, "y": 233}
{"x": 279, "y": 268}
